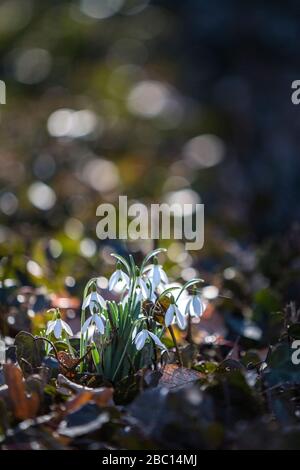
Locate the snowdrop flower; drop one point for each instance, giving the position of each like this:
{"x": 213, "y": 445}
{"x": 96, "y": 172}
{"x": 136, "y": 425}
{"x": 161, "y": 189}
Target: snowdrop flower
{"x": 173, "y": 311}
{"x": 194, "y": 306}
{"x": 142, "y": 337}
{"x": 57, "y": 326}
{"x": 143, "y": 288}
{"x": 93, "y": 300}
{"x": 97, "y": 320}
{"x": 118, "y": 276}
{"x": 156, "y": 274}
{"x": 140, "y": 297}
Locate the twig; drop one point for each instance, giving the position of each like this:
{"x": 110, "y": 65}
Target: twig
{"x": 41, "y": 338}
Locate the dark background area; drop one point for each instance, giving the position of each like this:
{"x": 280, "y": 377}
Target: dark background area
{"x": 220, "y": 69}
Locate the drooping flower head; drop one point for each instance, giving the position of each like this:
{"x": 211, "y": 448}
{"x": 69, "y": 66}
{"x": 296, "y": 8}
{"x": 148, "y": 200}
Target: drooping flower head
{"x": 173, "y": 313}
{"x": 93, "y": 300}
{"x": 144, "y": 335}
{"x": 58, "y": 326}
{"x": 119, "y": 277}
{"x": 142, "y": 289}
{"x": 194, "y": 306}
{"x": 156, "y": 274}
{"x": 98, "y": 320}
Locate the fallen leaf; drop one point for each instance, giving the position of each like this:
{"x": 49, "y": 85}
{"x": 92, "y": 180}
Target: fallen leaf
{"x": 175, "y": 376}
{"x": 67, "y": 364}
{"x": 81, "y": 399}
{"x": 102, "y": 395}
{"x": 86, "y": 419}
{"x": 24, "y": 406}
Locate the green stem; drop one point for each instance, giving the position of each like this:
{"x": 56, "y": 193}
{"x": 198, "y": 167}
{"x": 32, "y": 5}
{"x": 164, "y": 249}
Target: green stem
{"x": 154, "y": 345}
{"x": 110, "y": 319}
{"x": 82, "y": 346}
{"x": 189, "y": 336}
{"x": 123, "y": 354}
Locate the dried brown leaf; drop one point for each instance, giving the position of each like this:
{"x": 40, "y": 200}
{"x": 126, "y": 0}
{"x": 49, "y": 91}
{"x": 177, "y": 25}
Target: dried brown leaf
{"x": 175, "y": 376}
{"x": 24, "y": 405}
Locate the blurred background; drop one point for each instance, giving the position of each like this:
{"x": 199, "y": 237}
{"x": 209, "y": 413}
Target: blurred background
{"x": 164, "y": 101}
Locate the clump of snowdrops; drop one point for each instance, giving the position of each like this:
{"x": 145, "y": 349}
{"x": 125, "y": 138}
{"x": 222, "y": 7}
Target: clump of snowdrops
{"x": 117, "y": 338}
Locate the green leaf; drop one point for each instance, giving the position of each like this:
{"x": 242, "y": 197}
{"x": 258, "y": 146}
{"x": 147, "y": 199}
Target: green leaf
{"x": 30, "y": 351}
{"x": 206, "y": 367}
{"x": 132, "y": 264}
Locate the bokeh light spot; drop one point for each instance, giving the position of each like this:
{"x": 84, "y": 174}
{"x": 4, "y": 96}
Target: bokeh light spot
{"x": 100, "y": 9}
{"x": 204, "y": 151}
{"x": 148, "y": 98}
{"x": 102, "y": 175}
{"x": 41, "y": 195}
{"x": 8, "y": 203}
{"x": 32, "y": 66}
{"x": 88, "y": 247}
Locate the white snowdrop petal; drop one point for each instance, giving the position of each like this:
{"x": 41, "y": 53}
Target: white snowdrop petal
{"x": 67, "y": 328}
{"x": 50, "y": 327}
{"x": 197, "y": 306}
{"x": 92, "y": 306}
{"x": 156, "y": 276}
{"x": 98, "y": 299}
{"x": 86, "y": 325}
{"x": 156, "y": 340}
{"x": 181, "y": 320}
{"x": 86, "y": 302}
{"x": 139, "y": 295}
{"x": 125, "y": 300}
{"x": 163, "y": 276}
{"x": 144, "y": 288}
{"x": 152, "y": 283}
{"x": 101, "y": 301}
{"x": 114, "y": 278}
{"x": 99, "y": 323}
{"x": 125, "y": 279}
{"x": 140, "y": 339}
{"x": 134, "y": 333}
{"x": 169, "y": 315}
{"x": 57, "y": 329}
